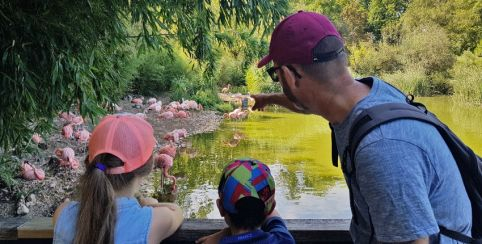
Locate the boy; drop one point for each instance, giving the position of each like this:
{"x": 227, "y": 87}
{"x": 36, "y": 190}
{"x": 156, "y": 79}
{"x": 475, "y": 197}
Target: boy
{"x": 246, "y": 201}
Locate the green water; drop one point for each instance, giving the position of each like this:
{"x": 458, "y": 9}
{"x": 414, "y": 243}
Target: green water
{"x": 298, "y": 150}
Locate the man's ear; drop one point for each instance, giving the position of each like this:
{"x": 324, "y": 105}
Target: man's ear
{"x": 220, "y": 207}
{"x": 289, "y": 76}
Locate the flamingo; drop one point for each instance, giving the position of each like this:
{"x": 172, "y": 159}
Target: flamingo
{"x": 151, "y": 101}
{"x": 67, "y": 116}
{"x": 66, "y": 157}
{"x": 137, "y": 101}
{"x": 77, "y": 120}
{"x": 30, "y": 172}
{"x": 181, "y": 114}
{"x": 155, "y": 106}
{"x": 189, "y": 104}
{"x": 226, "y": 89}
{"x": 168, "y": 149}
{"x": 166, "y": 115}
{"x": 82, "y": 135}
{"x": 175, "y": 135}
{"x": 37, "y": 138}
{"x": 165, "y": 162}
{"x": 67, "y": 131}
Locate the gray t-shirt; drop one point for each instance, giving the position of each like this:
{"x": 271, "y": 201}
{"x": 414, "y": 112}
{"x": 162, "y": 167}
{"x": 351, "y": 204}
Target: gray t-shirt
{"x": 407, "y": 181}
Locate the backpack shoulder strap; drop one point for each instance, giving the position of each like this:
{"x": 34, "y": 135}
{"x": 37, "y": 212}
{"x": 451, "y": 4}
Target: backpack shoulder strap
{"x": 373, "y": 117}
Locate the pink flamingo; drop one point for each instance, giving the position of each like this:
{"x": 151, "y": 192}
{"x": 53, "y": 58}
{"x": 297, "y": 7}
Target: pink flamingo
{"x": 77, "y": 120}
{"x": 181, "y": 114}
{"x": 137, "y": 101}
{"x": 168, "y": 149}
{"x": 82, "y": 135}
{"x": 37, "y": 138}
{"x": 68, "y": 131}
{"x": 30, "y": 172}
{"x": 67, "y": 116}
{"x": 151, "y": 101}
{"x": 66, "y": 157}
{"x": 166, "y": 115}
{"x": 165, "y": 162}
{"x": 175, "y": 135}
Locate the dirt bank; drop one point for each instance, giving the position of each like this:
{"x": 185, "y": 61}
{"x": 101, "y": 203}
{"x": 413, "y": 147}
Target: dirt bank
{"x": 42, "y": 197}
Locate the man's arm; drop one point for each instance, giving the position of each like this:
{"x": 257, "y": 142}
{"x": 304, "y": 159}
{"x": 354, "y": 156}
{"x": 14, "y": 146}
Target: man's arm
{"x": 262, "y": 100}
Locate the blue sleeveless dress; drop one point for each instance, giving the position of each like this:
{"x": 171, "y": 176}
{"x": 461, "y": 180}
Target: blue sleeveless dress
{"x": 132, "y": 225}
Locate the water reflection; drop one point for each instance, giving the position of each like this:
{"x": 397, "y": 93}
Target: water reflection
{"x": 298, "y": 150}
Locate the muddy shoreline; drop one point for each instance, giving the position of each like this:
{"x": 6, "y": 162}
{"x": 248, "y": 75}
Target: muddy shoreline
{"x": 42, "y": 197}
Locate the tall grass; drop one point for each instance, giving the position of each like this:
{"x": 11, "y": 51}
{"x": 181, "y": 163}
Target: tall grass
{"x": 413, "y": 82}
{"x": 467, "y": 81}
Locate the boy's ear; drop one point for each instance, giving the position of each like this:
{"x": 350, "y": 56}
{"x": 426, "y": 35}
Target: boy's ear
{"x": 220, "y": 207}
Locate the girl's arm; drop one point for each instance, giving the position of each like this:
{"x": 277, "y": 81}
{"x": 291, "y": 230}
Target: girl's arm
{"x": 166, "y": 219}
{"x": 59, "y": 210}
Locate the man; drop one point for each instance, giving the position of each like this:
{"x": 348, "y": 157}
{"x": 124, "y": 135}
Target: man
{"x": 406, "y": 181}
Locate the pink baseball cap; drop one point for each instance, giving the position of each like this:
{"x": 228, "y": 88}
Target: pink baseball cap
{"x": 294, "y": 38}
{"x": 125, "y": 136}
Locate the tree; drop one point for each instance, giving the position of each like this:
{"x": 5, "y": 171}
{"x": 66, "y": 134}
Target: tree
{"x": 462, "y": 19}
{"x": 58, "y": 53}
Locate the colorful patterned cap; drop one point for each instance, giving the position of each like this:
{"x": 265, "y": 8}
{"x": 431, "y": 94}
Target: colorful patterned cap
{"x": 246, "y": 178}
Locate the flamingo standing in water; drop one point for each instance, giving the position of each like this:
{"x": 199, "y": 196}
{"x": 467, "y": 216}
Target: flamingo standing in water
{"x": 165, "y": 162}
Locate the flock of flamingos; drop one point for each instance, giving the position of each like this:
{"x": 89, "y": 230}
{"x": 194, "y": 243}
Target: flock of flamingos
{"x": 74, "y": 129}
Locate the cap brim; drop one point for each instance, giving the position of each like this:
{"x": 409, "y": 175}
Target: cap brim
{"x": 264, "y": 61}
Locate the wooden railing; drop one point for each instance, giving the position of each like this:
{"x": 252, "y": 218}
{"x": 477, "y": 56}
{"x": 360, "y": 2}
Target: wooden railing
{"x": 40, "y": 230}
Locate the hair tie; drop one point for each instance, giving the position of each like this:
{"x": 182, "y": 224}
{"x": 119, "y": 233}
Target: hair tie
{"x": 100, "y": 166}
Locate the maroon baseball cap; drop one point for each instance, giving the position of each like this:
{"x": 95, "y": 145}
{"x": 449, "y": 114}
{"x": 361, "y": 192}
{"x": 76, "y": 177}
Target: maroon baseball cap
{"x": 294, "y": 38}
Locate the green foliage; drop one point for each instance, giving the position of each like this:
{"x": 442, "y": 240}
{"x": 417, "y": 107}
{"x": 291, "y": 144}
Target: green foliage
{"x": 224, "y": 107}
{"x": 254, "y": 79}
{"x": 413, "y": 82}
{"x": 383, "y": 12}
{"x": 230, "y": 71}
{"x": 461, "y": 19}
{"x": 258, "y": 81}
{"x": 199, "y": 89}
{"x": 54, "y": 53}
{"x": 8, "y": 170}
{"x": 467, "y": 82}
{"x": 428, "y": 47}
{"x": 368, "y": 58}
{"x": 157, "y": 70}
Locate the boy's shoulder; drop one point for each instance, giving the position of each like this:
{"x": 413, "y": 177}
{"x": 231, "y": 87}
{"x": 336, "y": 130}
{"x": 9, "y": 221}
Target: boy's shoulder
{"x": 274, "y": 230}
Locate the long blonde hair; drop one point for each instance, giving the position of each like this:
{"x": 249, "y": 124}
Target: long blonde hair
{"x": 97, "y": 213}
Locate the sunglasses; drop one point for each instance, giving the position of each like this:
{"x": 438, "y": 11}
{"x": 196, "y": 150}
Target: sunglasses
{"x": 272, "y": 72}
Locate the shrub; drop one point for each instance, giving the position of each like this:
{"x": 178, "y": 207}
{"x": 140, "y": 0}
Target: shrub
{"x": 467, "y": 82}
{"x": 8, "y": 170}
{"x": 207, "y": 97}
{"x": 368, "y": 58}
{"x": 257, "y": 80}
{"x": 412, "y": 81}
{"x": 157, "y": 71}
{"x": 229, "y": 71}
{"x": 428, "y": 47}
{"x": 224, "y": 107}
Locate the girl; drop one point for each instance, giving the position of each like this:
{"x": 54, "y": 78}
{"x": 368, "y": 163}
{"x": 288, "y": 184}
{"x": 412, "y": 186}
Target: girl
{"x": 120, "y": 156}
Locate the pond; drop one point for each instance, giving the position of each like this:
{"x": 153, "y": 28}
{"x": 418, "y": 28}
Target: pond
{"x": 298, "y": 150}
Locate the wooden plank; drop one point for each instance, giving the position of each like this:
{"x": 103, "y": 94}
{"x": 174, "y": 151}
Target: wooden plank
{"x": 37, "y": 228}
{"x": 8, "y": 227}
{"x": 303, "y": 230}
